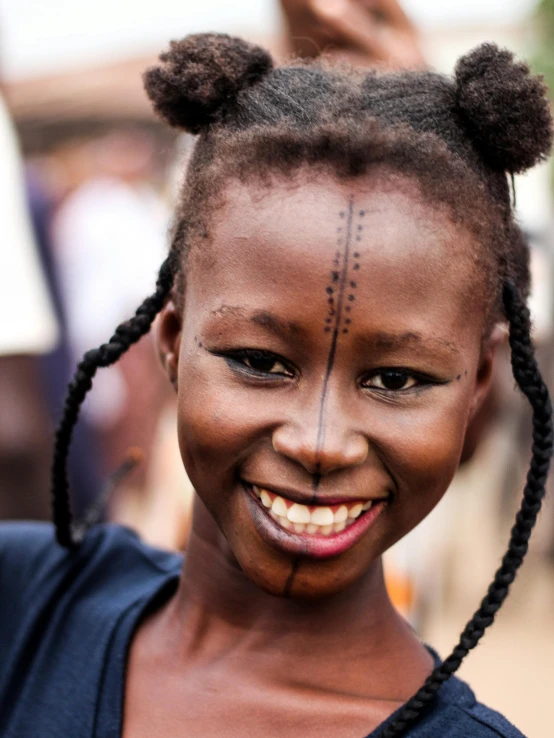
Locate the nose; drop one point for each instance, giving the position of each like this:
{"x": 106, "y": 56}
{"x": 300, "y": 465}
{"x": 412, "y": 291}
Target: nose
{"x": 321, "y": 442}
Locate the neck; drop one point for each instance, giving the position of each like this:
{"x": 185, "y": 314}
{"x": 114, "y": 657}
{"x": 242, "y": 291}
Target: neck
{"x": 218, "y": 612}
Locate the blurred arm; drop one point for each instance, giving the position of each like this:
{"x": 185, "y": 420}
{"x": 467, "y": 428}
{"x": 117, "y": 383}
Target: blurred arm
{"x": 363, "y": 32}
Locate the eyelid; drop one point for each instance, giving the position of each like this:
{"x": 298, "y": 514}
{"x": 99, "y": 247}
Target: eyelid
{"x": 235, "y": 356}
{"x": 422, "y": 380}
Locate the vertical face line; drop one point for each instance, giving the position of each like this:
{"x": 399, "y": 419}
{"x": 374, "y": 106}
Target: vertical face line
{"x": 290, "y": 578}
{"x": 335, "y": 322}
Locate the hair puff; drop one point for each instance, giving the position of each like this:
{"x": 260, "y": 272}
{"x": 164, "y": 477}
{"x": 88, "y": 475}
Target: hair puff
{"x": 202, "y": 76}
{"x": 504, "y": 107}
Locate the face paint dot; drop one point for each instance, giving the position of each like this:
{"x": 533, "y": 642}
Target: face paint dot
{"x": 358, "y": 238}
{"x": 348, "y": 321}
{"x": 330, "y": 300}
{"x": 356, "y": 266}
{"x": 329, "y": 290}
{"x": 339, "y": 230}
{"x": 327, "y": 329}
{"x": 362, "y": 213}
{"x": 335, "y": 276}
{"x": 200, "y": 344}
{"x": 328, "y": 320}
{"x": 353, "y": 284}
{"x": 345, "y": 330}
{"x": 360, "y": 228}
{"x": 459, "y": 377}
{"x": 348, "y": 308}
{"x": 331, "y": 312}
{"x": 351, "y": 297}
{"x": 356, "y": 255}
{"x": 342, "y": 214}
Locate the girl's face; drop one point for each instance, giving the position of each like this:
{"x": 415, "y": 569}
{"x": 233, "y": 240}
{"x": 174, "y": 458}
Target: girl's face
{"x": 327, "y": 360}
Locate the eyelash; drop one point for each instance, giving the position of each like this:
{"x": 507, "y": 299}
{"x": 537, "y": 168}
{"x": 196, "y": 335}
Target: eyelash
{"x": 420, "y": 380}
{"x": 238, "y": 359}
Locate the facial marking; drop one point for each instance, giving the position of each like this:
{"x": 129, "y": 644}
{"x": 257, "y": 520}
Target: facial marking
{"x": 290, "y": 579}
{"x": 341, "y": 292}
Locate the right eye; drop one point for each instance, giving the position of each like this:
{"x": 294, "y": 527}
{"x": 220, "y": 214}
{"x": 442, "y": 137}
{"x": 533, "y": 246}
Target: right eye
{"x": 261, "y": 362}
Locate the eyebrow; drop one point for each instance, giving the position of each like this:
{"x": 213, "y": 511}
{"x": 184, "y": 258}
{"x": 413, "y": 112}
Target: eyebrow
{"x": 263, "y": 318}
{"x": 385, "y": 340}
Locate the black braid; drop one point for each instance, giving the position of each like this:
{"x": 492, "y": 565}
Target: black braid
{"x": 529, "y": 380}
{"x": 126, "y": 334}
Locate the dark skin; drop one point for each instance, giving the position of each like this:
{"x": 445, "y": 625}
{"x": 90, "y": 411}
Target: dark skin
{"x": 262, "y": 637}
{"x": 362, "y": 32}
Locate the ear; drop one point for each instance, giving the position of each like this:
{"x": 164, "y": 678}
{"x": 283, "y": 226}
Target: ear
{"x": 483, "y": 404}
{"x": 168, "y": 339}
{"x": 486, "y": 366}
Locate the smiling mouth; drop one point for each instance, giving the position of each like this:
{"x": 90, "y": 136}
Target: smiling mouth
{"x": 311, "y": 520}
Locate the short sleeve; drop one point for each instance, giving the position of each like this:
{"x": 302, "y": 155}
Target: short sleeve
{"x": 29, "y": 324}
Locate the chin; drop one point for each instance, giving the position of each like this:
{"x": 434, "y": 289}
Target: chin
{"x": 306, "y": 579}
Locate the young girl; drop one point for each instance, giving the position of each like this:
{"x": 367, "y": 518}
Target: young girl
{"x": 344, "y": 246}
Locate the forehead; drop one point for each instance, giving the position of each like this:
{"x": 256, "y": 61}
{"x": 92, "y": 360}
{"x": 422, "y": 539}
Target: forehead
{"x": 295, "y": 243}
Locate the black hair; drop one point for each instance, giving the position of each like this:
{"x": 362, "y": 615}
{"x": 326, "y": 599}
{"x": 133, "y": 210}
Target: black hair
{"x": 461, "y": 139}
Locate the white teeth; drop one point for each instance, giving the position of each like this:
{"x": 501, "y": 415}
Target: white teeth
{"x": 323, "y": 516}
{"x": 355, "y": 511}
{"x": 279, "y": 507}
{"x": 266, "y": 499}
{"x": 298, "y": 518}
{"x": 298, "y": 514}
{"x": 341, "y": 514}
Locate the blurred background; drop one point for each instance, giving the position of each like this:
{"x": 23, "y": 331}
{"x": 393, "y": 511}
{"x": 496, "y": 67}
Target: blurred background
{"x": 88, "y": 178}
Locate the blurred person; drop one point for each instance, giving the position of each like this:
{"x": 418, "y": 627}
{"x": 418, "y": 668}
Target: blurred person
{"x": 116, "y": 217}
{"x": 56, "y": 366}
{"x": 28, "y": 330}
{"x": 341, "y": 255}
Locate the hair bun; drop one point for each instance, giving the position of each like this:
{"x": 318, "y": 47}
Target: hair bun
{"x": 201, "y": 76}
{"x": 504, "y": 107}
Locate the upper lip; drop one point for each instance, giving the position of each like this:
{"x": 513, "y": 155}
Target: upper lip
{"x": 307, "y": 497}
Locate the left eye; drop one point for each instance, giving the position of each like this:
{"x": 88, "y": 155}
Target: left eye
{"x": 262, "y": 362}
{"x": 393, "y": 380}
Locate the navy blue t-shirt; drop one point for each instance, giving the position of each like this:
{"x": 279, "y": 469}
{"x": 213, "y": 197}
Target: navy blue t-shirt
{"x": 66, "y": 621}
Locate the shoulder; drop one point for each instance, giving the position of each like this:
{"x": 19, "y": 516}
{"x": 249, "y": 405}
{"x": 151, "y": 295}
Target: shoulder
{"x": 60, "y": 614}
{"x": 35, "y": 571}
{"x": 459, "y": 715}
{"x": 30, "y": 548}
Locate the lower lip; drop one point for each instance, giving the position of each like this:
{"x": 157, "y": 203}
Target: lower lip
{"x": 312, "y": 546}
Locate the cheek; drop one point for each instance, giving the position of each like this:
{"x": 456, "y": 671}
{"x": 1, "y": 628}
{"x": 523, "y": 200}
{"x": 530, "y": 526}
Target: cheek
{"x": 217, "y": 423}
{"x": 423, "y": 455}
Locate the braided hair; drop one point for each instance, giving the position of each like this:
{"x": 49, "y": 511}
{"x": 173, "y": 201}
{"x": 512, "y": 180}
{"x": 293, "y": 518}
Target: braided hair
{"x": 461, "y": 138}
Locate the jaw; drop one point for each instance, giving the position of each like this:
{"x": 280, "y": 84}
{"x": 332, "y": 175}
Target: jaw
{"x": 257, "y": 554}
